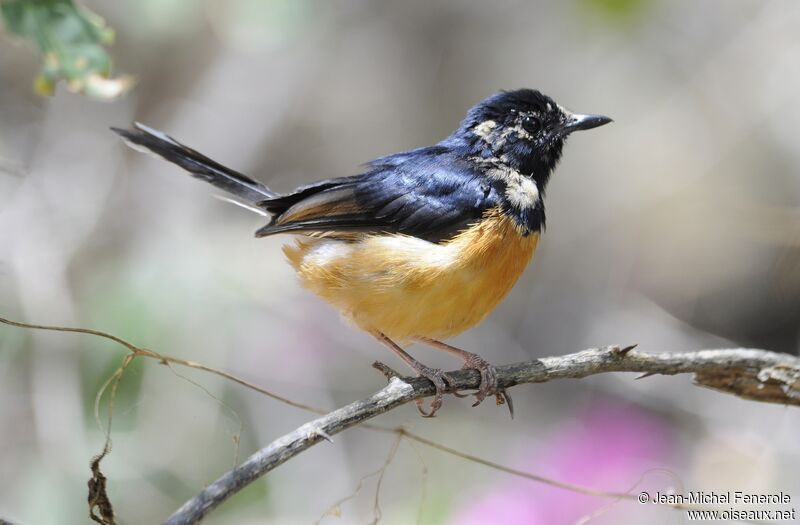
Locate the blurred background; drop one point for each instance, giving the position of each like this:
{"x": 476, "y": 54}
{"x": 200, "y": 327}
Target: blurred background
{"x": 677, "y": 227}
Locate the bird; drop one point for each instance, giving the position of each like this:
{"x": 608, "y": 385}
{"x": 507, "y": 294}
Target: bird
{"x": 423, "y": 244}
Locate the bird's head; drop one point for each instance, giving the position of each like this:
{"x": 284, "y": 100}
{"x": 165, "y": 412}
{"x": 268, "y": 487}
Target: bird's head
{"x": 523, "y": 129}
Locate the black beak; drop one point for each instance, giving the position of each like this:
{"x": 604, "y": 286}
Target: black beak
{"x": 580, "y": 122}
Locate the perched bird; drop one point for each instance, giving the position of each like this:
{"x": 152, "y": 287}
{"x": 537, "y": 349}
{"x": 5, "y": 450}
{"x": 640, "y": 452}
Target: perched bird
{"x": 422, "y": 244}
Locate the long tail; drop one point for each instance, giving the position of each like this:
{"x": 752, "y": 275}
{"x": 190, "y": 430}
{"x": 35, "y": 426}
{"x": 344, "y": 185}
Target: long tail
{"x": 142, "y": 138}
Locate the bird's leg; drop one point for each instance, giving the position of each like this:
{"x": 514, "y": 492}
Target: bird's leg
{"x": 435, "y": 375}
{"x": 488, "y": 384}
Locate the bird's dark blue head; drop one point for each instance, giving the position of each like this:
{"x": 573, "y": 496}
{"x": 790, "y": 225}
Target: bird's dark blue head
{"x": 523, "y": 129}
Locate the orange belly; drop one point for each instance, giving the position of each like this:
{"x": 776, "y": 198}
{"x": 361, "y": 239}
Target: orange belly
{"x": 407, "y": 287}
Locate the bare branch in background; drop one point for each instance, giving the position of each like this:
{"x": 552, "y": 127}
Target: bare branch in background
{"x": 100, "y": 508}
{"x": 752, "y": 374}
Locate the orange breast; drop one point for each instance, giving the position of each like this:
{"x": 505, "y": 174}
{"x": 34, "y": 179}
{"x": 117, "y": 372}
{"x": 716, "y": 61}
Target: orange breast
{"x": 407, "y": 287}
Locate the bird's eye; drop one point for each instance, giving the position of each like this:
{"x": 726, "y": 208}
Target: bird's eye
{"x": 531, "y": 124}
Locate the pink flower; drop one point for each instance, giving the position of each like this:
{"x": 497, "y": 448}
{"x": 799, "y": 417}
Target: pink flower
{"x": 609, "y": 447}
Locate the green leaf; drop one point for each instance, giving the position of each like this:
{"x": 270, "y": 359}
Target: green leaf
{"x": 71, "y": 41}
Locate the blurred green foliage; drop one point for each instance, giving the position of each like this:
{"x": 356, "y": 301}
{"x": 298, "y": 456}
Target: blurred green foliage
{"x": 618, "y": 10}
{"x": 71, "y": 41}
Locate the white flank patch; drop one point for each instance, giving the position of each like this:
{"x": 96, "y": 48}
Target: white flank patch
{"x": 405, "y": 247}
{"x": 326, "y": 251}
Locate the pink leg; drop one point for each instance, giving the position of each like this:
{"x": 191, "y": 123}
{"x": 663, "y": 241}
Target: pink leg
{"x": 488, "y": 384}
{"x": 435, "y": 375}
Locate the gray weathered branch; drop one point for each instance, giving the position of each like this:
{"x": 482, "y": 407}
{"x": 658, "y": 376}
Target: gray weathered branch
{"x": 751, "y": 374}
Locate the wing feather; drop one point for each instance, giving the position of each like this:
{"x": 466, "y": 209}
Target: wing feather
{"x": 430, "y": 196}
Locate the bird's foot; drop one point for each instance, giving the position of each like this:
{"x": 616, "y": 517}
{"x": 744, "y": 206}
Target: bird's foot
{"x": 488, "y": 386}
{"x": 440, "y": 380}
{"x": 436, "y": 376}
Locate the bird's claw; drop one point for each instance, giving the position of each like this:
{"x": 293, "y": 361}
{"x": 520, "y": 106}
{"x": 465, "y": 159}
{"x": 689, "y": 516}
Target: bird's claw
{"x": 440, "y": 381}
{"x": 502, "y": 397}
{"x": 488, "y": 386}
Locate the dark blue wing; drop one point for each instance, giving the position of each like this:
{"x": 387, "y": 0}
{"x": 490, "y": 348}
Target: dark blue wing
{"x": 430, "y": 194}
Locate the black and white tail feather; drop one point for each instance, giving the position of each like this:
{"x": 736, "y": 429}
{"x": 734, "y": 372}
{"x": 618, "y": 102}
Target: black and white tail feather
{"x": 248, "y": 192}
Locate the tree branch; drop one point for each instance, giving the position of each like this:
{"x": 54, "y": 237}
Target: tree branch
{"x": 752, "y": 374}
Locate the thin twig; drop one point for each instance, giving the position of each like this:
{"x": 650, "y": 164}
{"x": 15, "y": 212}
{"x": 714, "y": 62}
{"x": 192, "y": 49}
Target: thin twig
{"x": 423, "y": 484}
{"x": 376, "y": 507}
{"x": 516, "y": 472}
{"x": 749, "y": 373}
{"x": 753, "y": 374}
{"x": 100, "y": 508}
{"x": 138, "y": 351}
